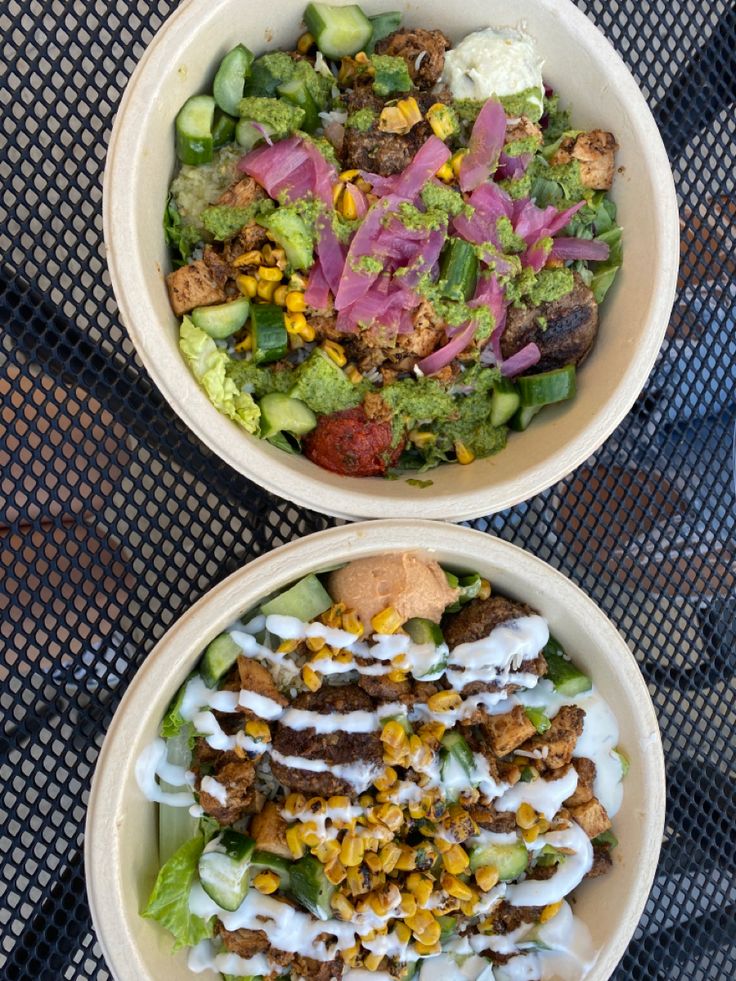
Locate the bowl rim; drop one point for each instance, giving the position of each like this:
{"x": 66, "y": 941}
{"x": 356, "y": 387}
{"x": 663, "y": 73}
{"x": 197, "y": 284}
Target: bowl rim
{"x": 355, "y": 497}
{"x": 171, "y": 661}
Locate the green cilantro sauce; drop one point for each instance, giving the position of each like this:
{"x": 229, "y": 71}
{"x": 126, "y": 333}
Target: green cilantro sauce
{"x": 391, "y": 75}
{"x": 507, "y": 237}
{"x": 362, "y": 120}
{"x": 438, "y": 197}
{"x": 281, "y": 117}
{"x": 223, "y": 221}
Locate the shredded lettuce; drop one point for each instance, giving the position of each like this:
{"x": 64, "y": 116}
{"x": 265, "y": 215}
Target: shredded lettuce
{"x": 181, "y": 238}
{"x": 209, "y": 364}
{"x": 169, "y": 901}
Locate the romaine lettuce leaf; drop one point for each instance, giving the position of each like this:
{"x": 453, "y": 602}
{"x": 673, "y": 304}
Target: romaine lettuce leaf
{"x": 180, "y": 237}
{"x": 169, "y": 901}
{"x": 209, "y": 366}
{"x": 604, "y": 272}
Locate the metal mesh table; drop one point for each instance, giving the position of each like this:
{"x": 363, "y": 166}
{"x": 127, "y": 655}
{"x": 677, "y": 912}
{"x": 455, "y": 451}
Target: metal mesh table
{"x": 115, "y": 518}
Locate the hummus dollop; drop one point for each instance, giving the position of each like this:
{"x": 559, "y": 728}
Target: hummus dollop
{"x": 411, "y": 582}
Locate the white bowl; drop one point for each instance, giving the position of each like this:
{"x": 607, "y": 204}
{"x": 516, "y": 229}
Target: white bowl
{"x": 589, "y": 75}
{"x": 121, "y": 835}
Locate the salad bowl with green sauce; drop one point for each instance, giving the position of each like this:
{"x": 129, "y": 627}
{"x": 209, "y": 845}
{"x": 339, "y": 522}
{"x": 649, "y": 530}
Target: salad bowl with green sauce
{"x": 366, "y": 259}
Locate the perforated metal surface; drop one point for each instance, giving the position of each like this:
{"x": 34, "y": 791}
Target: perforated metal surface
{"x": 115, "y": 518}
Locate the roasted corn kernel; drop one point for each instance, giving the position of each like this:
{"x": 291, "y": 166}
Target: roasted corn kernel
{"x": 335, "y": 351}
{"x": 295, "y": 302}
{"x": 347, "y": 207}
{"x": 335, "y": 872}
{"x": 455, "y": 859}
{"x": 403, "y": 933}
{"x": 266, "y": 882}
{"x": 252, "y": 258}
{"x": 287, "y": 646}
{"x": 294, "y": 841}
{"x": 386, "y": 779}
{"x": 280, "y": 294}
{"x": 393, "y": 735}
{"x": 246, "y": 344}
{"x": 407, "y": 860}
{"x": 486, "y": 877}
{"x": 391, "y": 815}
{"x": 442, "y": 119}
{"x": 463, "y": 453}
{"x": 327, "y": 850}
{"x": 352, "y": 850}
{"x": 526, "y": 816}
{"x": 258, "y": 730}
{"x": 311, "y": 679}
{"x": 456, "y": 160}
{"x": 305, "y": 43}
{"x": 342, "y": 906}
{"x": 270, "y": 274}
{"x": 427, "y": 950}
{"x": 265, "y": 290}
{"x": 387, "y": 621}
{"x": 389, "y": 856}
{"x": 248, "y": 285}
{"x": 372, "y": 962}
{"x": 549, "y": 912}
{"x": 456, "y": 887}
{"x": 444, "y": 701}
{"x": 446, "y": 173}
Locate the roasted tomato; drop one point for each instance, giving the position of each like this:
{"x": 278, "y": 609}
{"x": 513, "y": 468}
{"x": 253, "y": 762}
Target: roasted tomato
{"x": 350, "y": 443}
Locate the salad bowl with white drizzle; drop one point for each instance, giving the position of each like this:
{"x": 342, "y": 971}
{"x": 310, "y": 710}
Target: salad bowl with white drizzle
{"x": 387, "y": 770}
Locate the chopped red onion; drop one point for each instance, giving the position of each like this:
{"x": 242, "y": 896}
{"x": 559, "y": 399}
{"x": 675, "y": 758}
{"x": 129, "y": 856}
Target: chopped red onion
{"x": 579, "y": 248}
{"x": 486, "y": 143}
{"x": 439, "y": 359}
{"x": 520, "y": 362}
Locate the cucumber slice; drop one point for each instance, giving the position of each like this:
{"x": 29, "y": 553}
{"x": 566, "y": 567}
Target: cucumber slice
{"x": 280, "y": 413}
{"x": 230, "y": 79}
{"x": 247, "y": 135}
{"x": 505, "y": 400}
{"x": 194, "y": 143}
{"x": 538, "y": 719}
{"x": 311, "y": 887}
{"x": 469, "y": 587}
{"x": 338, "y": 31}
{"x": 625, "y": 763}
{"x": 547, "y": 387}
{"x": 296, "y": 92}
{"x": 272, "y": 863}
{"x": 458, "y": 270}
{"x": 219, "y": 657}
{"x": 306, "y": 600}
{"x": 383, "y": 25}
{"x": 270, "y": 340}
{"x": 223, "y": 129}
{"x": 222, "y": 319}
{"x": 567, "y": 679}
{"x": 447, "y": 927}
{"x": 508, "y": 860}
{"x": 455, "y": 747}
{"x": 290, "y": 231}
{"x": 522, "y": 417}
{"x": 606, "y": 838}
{"x": 223, "y": 871}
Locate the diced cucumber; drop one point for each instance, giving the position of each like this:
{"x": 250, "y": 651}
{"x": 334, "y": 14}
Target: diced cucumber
{"x": 223, "y": 129}
{"x": 230, "y": 79}
{"x": 447, "y": 927}
{"x": 521, "y": 419}
{"x": 194, "y": 143}
{"x": 550, "y": 855}
{"x": 223, "y": 871}
{"x": 469, "y": 587}
{"x": 221, "y": 654}
{"x": 248, "y": 135}
{"x": 606, "y": 838}
{"x": 305, "y": 600}
{"x": 296, "y": 92}
{"x": 222, "y": 319}
{"x": 290, "y": 231}
{"x": 528, "y": 773}
{"x": 567, "y": 679}
{"x": 272, "y": 863}
{"x": 547, "y": 387}
{"x": 175, "y": 824}
{"x": 270, "y": 340}
{"x": 279, "y": 413}
{"x": 338, "y": 31}
{"x": 538, "y": 719}
{"x": 423, "y": 631}
{"x": 625, "y": 763}
{"x": 505, "y": 400}
{"x": 508, "y": 860}
{"x": 382, "y": 25}
{"x": 454, "y": 745}
{"x": 281, "y": 442}
{"x": 458, "y": 270}
{"x": 311, "y": 887}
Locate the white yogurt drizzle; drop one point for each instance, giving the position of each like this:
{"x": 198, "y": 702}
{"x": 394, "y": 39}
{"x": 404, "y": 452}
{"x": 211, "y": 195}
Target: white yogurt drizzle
{"x": 360, "y": 775}
{"x": 544, "y": 795}
{"x": 215, "y": 789}
{"x": 204, "y": 957}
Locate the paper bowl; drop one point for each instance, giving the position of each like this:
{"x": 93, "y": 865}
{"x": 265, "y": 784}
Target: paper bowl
{"x": 589, "y": 75}
{"x": 121, "y": 839}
